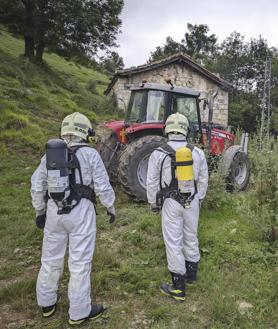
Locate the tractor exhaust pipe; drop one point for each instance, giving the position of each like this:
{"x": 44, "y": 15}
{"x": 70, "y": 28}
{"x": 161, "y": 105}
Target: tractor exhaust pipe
{"x": 210, "y": 104}
{"x": 244, "y": 142}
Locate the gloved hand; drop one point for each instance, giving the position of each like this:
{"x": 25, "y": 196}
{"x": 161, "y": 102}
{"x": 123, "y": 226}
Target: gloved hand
{"x": 200, "y": 203}
{"x": 154, "y": 208}
{"x": 112, "y": 213}
{"x": 40, "y": 221}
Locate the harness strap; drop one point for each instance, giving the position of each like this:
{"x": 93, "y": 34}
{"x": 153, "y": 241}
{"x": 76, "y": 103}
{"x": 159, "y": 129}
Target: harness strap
{"x": 183, "y": 163}
{"x": 171, "y": 190}
{"x": 78, "y": 191}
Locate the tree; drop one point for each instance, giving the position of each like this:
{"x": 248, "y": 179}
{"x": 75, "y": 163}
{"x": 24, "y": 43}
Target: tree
{"x": 170, "y": 47}
{"x": 240, "y": 62}
{"x": 68, "y": 26}
{"x": 243, "y": 63}
{"x": 111, "y": 63}
{"x": 196, "y": 43}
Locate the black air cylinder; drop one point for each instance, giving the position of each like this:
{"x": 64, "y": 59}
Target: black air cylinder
{"x": 57, "y": 169}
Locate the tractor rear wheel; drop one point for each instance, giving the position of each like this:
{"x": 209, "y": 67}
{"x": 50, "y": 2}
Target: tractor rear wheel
{"x": 133, "y": 165}
{"x": 105, "y": 149}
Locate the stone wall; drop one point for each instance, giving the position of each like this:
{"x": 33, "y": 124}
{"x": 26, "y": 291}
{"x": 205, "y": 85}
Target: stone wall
{"x": 181, "y": 75}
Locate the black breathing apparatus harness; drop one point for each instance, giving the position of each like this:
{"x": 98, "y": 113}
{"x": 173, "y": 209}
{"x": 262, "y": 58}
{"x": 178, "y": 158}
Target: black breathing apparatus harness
{"x": 172, "y": 190}
{"x": 78, "y": 191}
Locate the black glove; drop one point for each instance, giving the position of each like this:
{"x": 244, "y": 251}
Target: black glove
{"x": 40, "y": 221}
{"x": 112, "y": 217}
{"x": 154, "y": 208}
{"x": 112, "y": 213}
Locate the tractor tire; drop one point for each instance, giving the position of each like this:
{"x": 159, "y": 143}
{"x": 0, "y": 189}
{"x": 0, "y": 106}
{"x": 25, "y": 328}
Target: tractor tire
{"x": 239, "y": 172}
{"x": 133, "y": 165}
{"x": 105, "y": 148}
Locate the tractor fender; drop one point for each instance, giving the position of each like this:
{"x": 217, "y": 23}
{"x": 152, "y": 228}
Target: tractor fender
{"x": 227, "y": 159}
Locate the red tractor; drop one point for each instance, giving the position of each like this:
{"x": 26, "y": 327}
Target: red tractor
{"x": 127, "y": 147}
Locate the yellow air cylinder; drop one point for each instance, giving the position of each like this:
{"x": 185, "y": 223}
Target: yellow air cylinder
{"x": 184, "y": 172}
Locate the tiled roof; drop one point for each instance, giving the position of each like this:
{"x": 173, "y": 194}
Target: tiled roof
{"x": 177, "y": 59}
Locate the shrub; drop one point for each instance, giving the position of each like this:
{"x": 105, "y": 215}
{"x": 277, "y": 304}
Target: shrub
{"x": 261, "y": 209}
{"x": 92, "y": 87}
{"x": 216, "y": 194}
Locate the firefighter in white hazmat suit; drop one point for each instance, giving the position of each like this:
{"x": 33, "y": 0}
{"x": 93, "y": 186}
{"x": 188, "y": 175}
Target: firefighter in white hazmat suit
{"x": 180, "y": 216}
{"x": 75, "y": 229}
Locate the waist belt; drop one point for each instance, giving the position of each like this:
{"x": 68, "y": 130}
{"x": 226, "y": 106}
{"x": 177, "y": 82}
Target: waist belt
{"x": 184, "y": 199}
{"x": 84, "y": 191}
{"x": 80, "y": 192}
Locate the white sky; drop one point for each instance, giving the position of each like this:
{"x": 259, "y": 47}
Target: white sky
{"x": 147, "y": 23}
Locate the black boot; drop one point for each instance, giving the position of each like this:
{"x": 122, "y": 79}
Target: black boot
{"x": 96, "y": 311}
{"x": 191, "y": 271}
{"x": 48, "y": 311}
{"x": 177, "y": 289}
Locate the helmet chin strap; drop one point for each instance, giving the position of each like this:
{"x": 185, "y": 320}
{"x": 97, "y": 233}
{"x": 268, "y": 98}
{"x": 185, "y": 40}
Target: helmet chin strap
{"x": 72, "y": 139}
{"x": 180, "y": 137}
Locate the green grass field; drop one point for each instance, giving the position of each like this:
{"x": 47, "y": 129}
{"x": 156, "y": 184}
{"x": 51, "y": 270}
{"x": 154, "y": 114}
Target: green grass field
{"x": 237, "y": 286}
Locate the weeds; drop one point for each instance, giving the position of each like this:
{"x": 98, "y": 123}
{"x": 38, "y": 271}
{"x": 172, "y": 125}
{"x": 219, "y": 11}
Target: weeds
{"x": 261, "y": 208}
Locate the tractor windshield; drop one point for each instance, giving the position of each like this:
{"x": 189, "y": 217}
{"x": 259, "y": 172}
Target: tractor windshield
{"x": 146, "y": 106}
{"x": 186, "y": 106}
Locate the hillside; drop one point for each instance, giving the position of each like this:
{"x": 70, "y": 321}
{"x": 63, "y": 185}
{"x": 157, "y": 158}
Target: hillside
{"x": 34, "y": 99}
{"x": 237, "y": 287}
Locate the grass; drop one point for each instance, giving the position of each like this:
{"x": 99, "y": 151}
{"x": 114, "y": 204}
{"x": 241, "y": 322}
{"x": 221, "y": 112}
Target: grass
{"x": 238, "y": 268}
{"x": 34, "y": 99}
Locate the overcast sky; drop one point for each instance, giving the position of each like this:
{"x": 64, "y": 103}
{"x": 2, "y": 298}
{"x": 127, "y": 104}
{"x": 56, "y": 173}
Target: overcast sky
{"x": 147, "y": 23}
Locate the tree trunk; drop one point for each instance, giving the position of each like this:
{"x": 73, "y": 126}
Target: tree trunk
{"x": 29, "y": 47}
{"x": 29, "y": 29}
{"x": 39, "y": 51}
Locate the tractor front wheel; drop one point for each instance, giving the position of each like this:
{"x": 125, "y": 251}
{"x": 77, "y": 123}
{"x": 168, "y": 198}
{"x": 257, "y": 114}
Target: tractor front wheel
{"x": 133, "y": 165}
{"x": 238, "y": 177}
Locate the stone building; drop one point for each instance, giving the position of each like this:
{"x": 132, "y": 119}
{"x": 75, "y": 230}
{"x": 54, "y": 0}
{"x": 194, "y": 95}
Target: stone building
{"x": 184, "y": 72}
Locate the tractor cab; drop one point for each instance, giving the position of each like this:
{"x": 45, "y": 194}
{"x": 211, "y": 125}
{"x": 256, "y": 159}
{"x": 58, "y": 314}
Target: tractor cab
{"x": 151, "y": 104}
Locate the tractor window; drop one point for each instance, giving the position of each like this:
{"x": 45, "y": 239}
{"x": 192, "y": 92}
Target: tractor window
{"x": 136, "y": 108}
{"x": 155, "y": 106}
{"x": 186, "y": 106}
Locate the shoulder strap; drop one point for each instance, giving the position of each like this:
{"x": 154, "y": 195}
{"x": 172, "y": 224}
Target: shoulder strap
{"x": 167, "y": 149}
{"x": 190, "y": 147}
{"x": 74, "y": 163}
{"x": 77, "y": 147}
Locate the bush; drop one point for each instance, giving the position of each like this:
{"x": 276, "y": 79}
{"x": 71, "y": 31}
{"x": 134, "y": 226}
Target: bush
{"x": 261, "y": 209}
{"x": 92, "y": 87}
{"x": 216, "y": 194}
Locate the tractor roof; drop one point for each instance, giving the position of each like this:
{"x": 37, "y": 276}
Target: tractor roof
{"x": 167, "y": 87}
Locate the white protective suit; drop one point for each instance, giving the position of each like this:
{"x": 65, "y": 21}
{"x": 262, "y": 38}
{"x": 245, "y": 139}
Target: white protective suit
{"x": 76, "y": 229}
{"x": 179, "y": 225}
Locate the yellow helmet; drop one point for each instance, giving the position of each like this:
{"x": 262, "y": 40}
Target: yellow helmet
{"x": 76, "y": 124}
{"x": 176, "y": 123}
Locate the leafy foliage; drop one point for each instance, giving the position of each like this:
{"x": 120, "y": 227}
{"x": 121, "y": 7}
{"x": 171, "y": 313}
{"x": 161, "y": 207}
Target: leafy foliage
{"x": 68, "y": 26}
{"x": 196, "y": 43}
{"x": 111, "y": 63}
{"x": 170, "y": 47}
{"x": 262, "y": 209}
